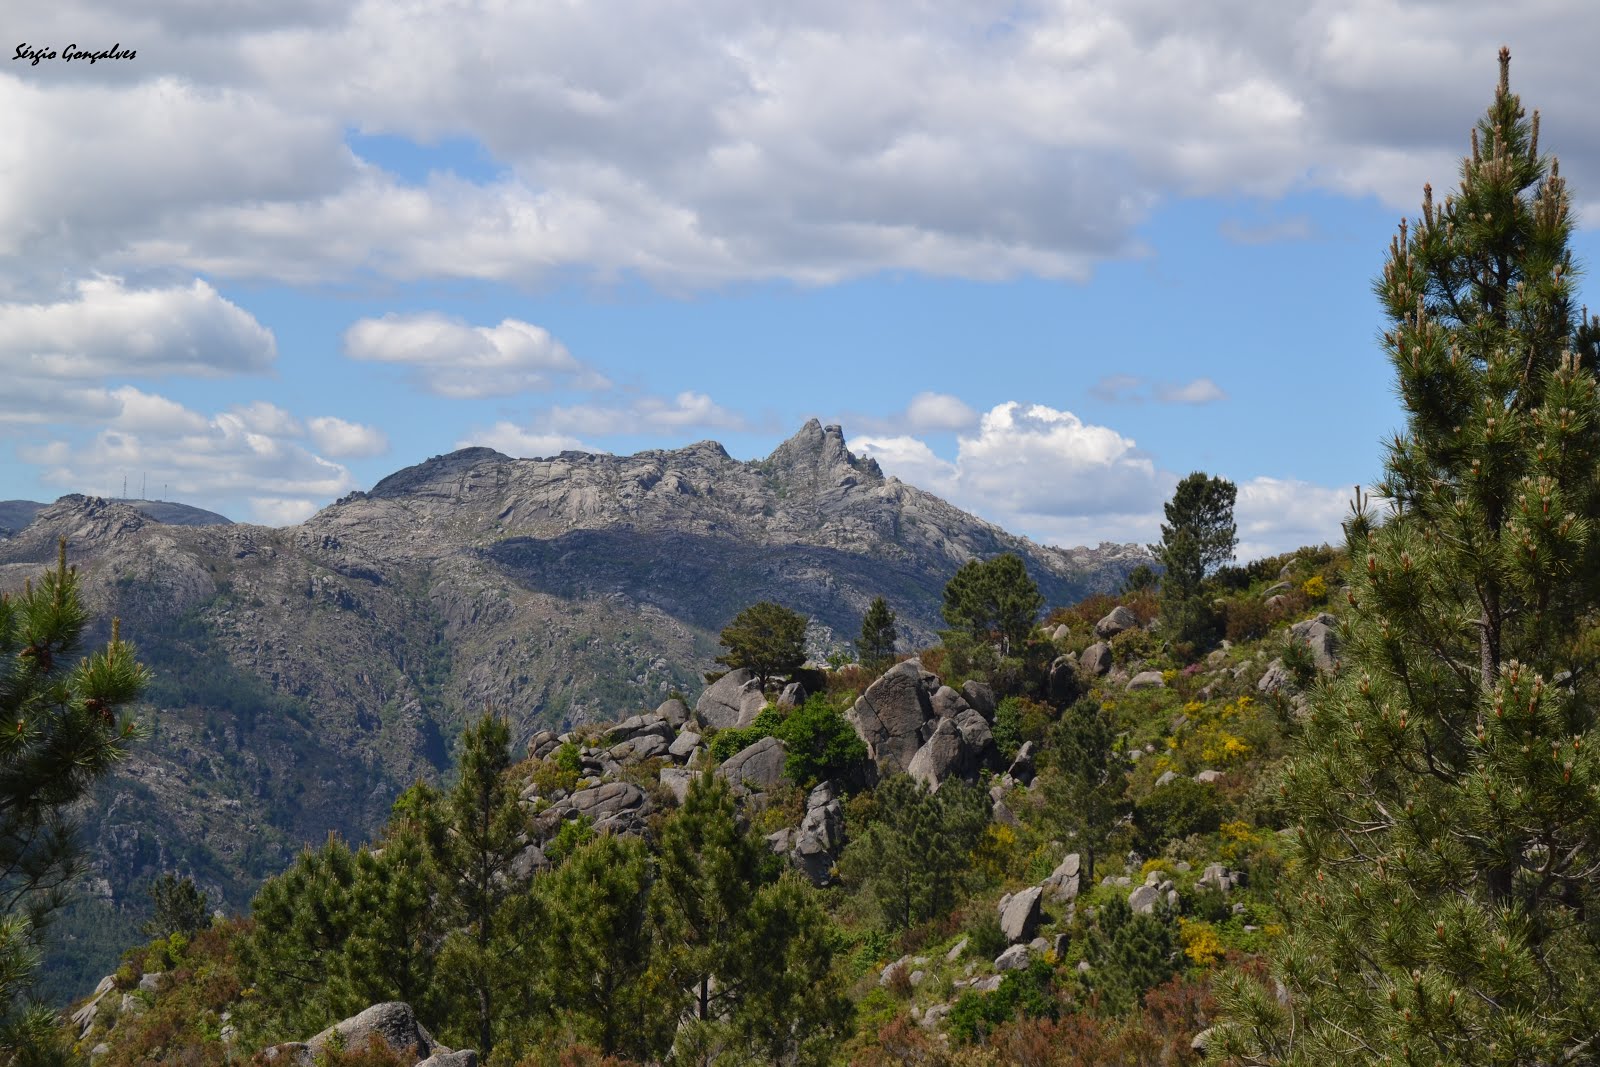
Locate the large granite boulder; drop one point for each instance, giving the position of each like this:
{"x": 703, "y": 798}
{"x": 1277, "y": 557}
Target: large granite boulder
{"x": 1019, "y": 913}
{"x": 1096, "y": 660}
{"x": 674, "y": 711}
{"x": 1115, "y": 622}
{"x": 392, "y": 1024}
{"x": 980, "y": 698}
{"x": 1062, "y": 885}
{"x": 1063, "y": 684}
{"x": 735, "y": 699}
{"x": 758, "y": 766}
{"x": 614, "y": 807}
{"x": 947, "y": 703}
{"x": 812, "y": 847}
{"x": 941, "y": 757}
{"x": 1322, "y": 635}
{"x": 893, "y": 715}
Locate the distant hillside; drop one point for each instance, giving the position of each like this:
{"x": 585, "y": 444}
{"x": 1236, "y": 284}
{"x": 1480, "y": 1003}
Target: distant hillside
{"x": 17, "y": 514}
{"x": 305, "y": 675}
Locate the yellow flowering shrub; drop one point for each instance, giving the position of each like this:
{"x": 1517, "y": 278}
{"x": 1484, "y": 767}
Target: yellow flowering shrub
{"x": 1315, "y": 588}
{"x": 1201, "y": 942}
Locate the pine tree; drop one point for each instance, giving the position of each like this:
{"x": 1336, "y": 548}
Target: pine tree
{"x": 1197, "y": 538}
{"x": 180, "y": 908}
{"x": 1448, "y": 788}
{"x": 993, "y": 602}
{"x": 483, "y": 903}
{"x": 1083, "y": 788}
{"x": 766, "y": 639}
{"x": 68, "y": 734}
{"x": 917, "y": 847}
{"x": 878, "y": 636}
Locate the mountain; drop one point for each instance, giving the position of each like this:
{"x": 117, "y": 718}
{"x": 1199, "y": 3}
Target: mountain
{"x": 17, "y": 514}
{"x": 305, "y": 675}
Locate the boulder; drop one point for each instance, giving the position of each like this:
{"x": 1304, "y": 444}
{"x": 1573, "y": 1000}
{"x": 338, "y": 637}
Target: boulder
{"x": 676, "y": 780}
{"x": 793, "y": 695}
{"x": 1063, "y": 685}
{"x": 1208, "y": 776}
{"x": 1062, "y": 884}
{"x": 947, "y": 703}
{"x": 683, "y": 746}
{"x": 824, "y": 816}
{"x": 1276, "y": 679}
{"x": 735, "y": 699}
{"x": 616, "y": 807}
{"x": 758, "y": 766}
{"x": 1115, "y": 622}
{"x": 1022, "y": 768}
{"x": 1166, "y": 777}
{"x": 1322, "y": 635}
{"x": 674, "y": 711}
{"x": 1147, "y": 680}
{"x": 980, "y": 698}
{"x": 892, "y": 716}
{"x": 643, "y": 747}
{"x": 1019, "y": 913}
{"x": 635, "y": 727}
{"x": 1143, "y": 899}
{"x": 392, "y": 1024}
{"x": 1060, "y": 633}
{"x": 943, "y": 756}
{"x": 1096, "y": 659}
{"x": 978, "y": 740}
{"x": 1014, "y": 958}
{"x": 543, "y": 744}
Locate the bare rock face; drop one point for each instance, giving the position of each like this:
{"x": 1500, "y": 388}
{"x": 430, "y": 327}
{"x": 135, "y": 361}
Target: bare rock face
{"x": 1062, "y": 885}
{"x": 758, "y": 766}
{"x": 1096, "y": 659}
{"x": 735, "y": 699}
{"x": 940, "y": 757}
{"x": 392, "y": 1024}
{"x": 892, "y": 716}
{"x": 1115, "y": 622}
{"x": 1019, "y": 914}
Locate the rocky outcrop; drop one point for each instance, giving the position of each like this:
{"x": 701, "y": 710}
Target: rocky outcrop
{"x": 894, "y": 715}
{"x": 1062, "y": 885}
{"x": 612, "y": 807}
{"x": 1019, "y": 913}
{"x": 1321, "y": 635}
{"x": 813, "y": 848}
{"x": 1096, "y": 659}
{"x": 758, "y": 766}
{"x": 733, "y": 700}
{"x": 393, "y": 1025}
{"x": 1117, "y": 620}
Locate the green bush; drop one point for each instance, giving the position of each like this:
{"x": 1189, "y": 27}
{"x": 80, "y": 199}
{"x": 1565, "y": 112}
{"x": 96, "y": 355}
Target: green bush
{"x": 821, "y": 743}
{"x": 1178, "y": 809}
{"x": 731, "y": 741}
{"x": 1029, "y": 993}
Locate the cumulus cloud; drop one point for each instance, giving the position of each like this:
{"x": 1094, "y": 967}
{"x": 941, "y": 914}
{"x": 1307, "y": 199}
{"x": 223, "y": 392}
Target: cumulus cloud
{"x": 109, "y": 329}
{"x": 346, "y": 440}
{"x": 519, "y": 442}
{"x": 725, "y": 141}
{"x": 687, "y": 410}
{"x": 1036, "y": 470}
{"x": 455, "y": 359}
{"x": 256, "y": 453}
{"x": 929, "y": 412}
{"x": 1130, "y": 389}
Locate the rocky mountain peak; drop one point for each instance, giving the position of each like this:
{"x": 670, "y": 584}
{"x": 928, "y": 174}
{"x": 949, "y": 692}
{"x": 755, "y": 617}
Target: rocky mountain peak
{"x": 818, "y": 452}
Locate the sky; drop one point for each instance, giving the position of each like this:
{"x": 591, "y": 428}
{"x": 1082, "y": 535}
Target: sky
{"x": 1043, "y": 259}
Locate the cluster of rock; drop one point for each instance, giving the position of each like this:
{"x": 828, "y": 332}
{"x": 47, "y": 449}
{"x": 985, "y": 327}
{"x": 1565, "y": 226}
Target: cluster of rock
{"x": 911, "y": 722}
{"x": 813, "y": 847}
{"x": 392, "y": 1024}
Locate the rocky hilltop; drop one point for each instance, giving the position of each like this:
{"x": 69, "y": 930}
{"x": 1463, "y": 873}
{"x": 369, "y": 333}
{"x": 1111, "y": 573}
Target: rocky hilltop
{"x": 304, "y": 675}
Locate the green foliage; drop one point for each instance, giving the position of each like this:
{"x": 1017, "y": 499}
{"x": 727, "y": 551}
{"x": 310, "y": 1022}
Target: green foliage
{"x": 1008, "y": 727}
{"x": 733, "y": 740}
{"x": 67, "y": 735}
{"x": 766, "y": 639}
{"x": 1198, "y": 536}
{"x": 1130, "y": 953}
{"x": 878, "y": 636}
{"x": 993, "y": 603}
{"x": 1448, "y": 789}
{"x": 820, "y": 742}
{"x": 1029, "y": 993}
{"x": 1139, "y": 579}
{"x": 180, "y": 907}
{"x": 916, "y": 850}
{"x": 1181, "y": 807}
{"x": 1083, "y": 788}
{"x": 573, "y": 835}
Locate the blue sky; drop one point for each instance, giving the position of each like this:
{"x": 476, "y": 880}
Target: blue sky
{"x": 1042, "y": 259}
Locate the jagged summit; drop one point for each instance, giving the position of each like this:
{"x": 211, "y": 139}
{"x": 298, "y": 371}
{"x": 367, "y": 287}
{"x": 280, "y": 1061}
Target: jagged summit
{"x": 819, "y": 450}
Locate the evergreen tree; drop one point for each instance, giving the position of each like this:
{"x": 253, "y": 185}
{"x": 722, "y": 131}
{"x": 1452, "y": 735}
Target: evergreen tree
{"x": 917, "y": 847}
{"x": 878, "y": 635}
{"x": 483, "y": 903}
{"x": 602, "y": 969}
{"x": 1197, "y": 538}
{"x": 766, "y": 639}
{"x": 1083, "y": 789}
{"x": 180, "y": 907}
{"x": 68, "y": 734}
{"x": 1448, "y": 788}
{"x": 993, "y": 602}
{"x": 395, "y": 934}
{"x": 710, "y": 871}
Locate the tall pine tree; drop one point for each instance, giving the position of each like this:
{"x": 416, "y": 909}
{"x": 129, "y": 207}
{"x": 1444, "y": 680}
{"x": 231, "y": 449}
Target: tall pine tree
{"x": 1448, "y": 788}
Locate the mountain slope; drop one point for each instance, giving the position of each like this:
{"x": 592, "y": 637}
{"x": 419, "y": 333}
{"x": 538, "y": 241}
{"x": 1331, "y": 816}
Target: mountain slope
{"x": 305, "y": 675}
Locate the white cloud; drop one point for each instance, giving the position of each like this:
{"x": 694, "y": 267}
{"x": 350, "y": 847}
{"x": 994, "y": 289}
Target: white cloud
{"x": 1130, "y": 389}
{"x": 724, "y": 141}
{"x": 1199, "y": 391}
{"x": 281, "y": 511}
{"x": 346, "y": 440}
{"x": 930, "y": 412}
{"x": 109, "y": 329}
{"x": 455, "y": 359}
{"x": 518, "y": 442}
{"x": 147, "y": 412}
{"x": 1048, "y": 474}
{"x": 687, "y": 410}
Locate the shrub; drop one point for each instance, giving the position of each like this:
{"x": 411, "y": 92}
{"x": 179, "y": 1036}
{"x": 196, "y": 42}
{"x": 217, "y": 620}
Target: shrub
{"x": 1246, "y": 619}
{"x": 1178, "y": 809}
{"x": 821, "y": 743}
